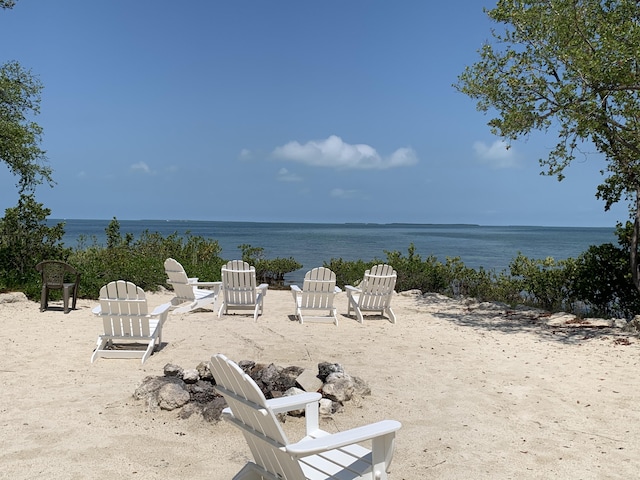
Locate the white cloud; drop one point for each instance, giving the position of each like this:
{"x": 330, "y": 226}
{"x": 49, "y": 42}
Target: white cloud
{"x": 333, "y": 152}
{"x": 497, "y": 155}
{"x": 340, "y": 193}
{"x": 245, "y": 154}
{"x": 141, "y": 167}
{"x": 285, "y": 175}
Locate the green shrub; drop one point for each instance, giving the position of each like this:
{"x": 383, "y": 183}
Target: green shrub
{"x": 603, "y": 282}
{"x": 349, "y": 272}
{"x": 544, "y": 283}
{"x": 429, "y": 275}
{"x": 141, "y": 260}
{"x": 270, "y": 271}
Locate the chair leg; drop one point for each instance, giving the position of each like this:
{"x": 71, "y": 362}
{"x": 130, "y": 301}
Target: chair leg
{"x": 101, "y": 343}
{"x": 391, "y": 315}
{"x": 43, "y": 299}
{"x": 75, "y": 296}
{"x": 149, "y": 350}
{"x": 65, "y": 298}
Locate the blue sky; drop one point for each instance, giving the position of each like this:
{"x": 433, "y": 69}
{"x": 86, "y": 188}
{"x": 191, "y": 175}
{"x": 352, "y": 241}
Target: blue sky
{"x": 328, "y": 111}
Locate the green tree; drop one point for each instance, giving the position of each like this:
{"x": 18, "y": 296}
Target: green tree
{"x": 571, "y": 67}
{"x": 25, "y": 240}
{"x": 20, "y": 136}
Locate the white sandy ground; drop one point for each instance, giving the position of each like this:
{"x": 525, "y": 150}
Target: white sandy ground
{"x": 480, "y": 392}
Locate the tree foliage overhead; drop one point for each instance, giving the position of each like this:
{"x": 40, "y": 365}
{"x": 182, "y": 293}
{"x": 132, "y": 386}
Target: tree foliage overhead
{"x": 20, "y": 136}
{"x": 571, "y": 67}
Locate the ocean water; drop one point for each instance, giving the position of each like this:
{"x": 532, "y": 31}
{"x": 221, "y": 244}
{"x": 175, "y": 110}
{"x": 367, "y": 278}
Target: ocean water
{"x": 311, "y": 244}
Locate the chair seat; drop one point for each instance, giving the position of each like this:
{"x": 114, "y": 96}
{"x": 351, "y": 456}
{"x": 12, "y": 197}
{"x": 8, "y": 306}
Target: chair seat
{"x": 349, "y": 462}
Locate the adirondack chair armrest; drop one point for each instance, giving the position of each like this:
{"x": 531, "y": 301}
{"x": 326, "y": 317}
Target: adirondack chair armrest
{"x": 97, "y": 310}
{"x": 263, "y": 287}
{"x": 160, "y": 309}
{"x": 293, "y": 402}
{"x": 332, "y": 441}
{"x": 349, "y": 289}
{"x": 337, "y": 290}
{"x": 296, "y": 291}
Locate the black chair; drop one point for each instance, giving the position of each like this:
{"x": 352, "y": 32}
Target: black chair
{"x": 54, "y": 273}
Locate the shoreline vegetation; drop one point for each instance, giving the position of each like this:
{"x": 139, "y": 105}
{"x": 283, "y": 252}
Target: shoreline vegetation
{"x": 596, "y": 283}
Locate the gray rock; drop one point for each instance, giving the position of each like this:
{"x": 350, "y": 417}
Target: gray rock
{"x": 619, "y": 323}
{"x": 269, "y": 375}
{"x": 328, "y": 407}
{"x": 13, "y": 297}
{"x": 339, "y": 387}
{"x": 246, "y": 366}
{"x": 325, "y": 407}
{"x": 287, "y": 378}
{"x": 190, "y": 375}
{"x": 150, "y": 385}
{"x": 411, "y": 293}
{"x": 172, "y": 396}
{"x": 633, "y": 325}
{"x": 309, "y": 381}
{"x": 204, "y": 370}
{"x": 171, "y": 370}
{"x": 325, "y": 369}
{"x": 201, "y": 391}
{"x": 212, "y": 411}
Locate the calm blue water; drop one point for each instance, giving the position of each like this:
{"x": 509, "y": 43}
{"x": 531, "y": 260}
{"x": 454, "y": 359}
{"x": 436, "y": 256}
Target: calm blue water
{"x": 312, "y": 244}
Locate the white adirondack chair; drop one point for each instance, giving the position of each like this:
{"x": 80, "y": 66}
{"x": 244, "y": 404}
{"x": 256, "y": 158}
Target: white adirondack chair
{"x": 374, "y": 293}
{"x": 239, "y": 289}
{"x": 189, "y": 295}
{"x": 319, "y": 455}
{"x": 127, "y": 323}
{"x": 317, "y": 294}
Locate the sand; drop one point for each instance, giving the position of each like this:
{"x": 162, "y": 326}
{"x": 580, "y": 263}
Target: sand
{"x": 481, "y": 392}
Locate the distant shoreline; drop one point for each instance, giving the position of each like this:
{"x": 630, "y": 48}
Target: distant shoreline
{"x": 346, "y": 224}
